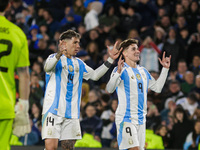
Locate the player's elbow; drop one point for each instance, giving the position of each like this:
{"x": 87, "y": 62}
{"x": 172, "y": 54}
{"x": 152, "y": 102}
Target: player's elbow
{"x": 158, "y": 90}
{"x": 46, "y": 68}
{"x": 95, "y": 77}
{"x": 109, "y": 90}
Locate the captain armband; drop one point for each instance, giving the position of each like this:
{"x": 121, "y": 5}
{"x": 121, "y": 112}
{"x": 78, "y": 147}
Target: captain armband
{"x": 107, "y": 64}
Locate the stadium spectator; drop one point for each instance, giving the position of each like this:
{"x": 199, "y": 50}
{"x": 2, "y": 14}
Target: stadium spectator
{"x": 180, "y": 129}
{"x": 36, "y": 92}
{"x": 149, "y": 53}
{"x": 181, "y": 70}
{"x": 187, "y": 86}
{"x": 108, "y": 118}
{"x": 196, "y": 89}
{"x": 109, "y": 20}
{"x": 165, "y": 22}
{"x": 173, "y": 47}
{"x": 92, "y": 122}
{"x": 163, "y": 132}
{"x": 195, "y": 66}
{"x": 179, "y": 11}
{"x": 189, "y": 104}
{"x": 192, "y": 139}
{"x": 174, "y": 93}
{"x": 91, "y": 18}
{"x": 78, "y": 7}
{"x": 148, "y": 10}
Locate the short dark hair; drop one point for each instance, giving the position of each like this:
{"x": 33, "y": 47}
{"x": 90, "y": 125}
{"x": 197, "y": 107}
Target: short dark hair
{"x": 175, "y": 82}
{"x": 192, "y": 96}
{"x": 69, "y": 34}
{"x": 126, "y": 43}
{"x": 3, "y": 5}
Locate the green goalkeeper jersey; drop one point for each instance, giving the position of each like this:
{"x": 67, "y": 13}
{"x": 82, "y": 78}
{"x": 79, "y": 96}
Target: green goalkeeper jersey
{"x": 13, "y": 54}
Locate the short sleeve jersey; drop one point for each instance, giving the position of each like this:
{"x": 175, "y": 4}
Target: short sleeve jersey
{"x": 13, "y": 54}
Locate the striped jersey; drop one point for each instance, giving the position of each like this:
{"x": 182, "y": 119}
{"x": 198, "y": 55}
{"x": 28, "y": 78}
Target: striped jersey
{"x": 63, "y": 86}
{"x": 132, "y": 87}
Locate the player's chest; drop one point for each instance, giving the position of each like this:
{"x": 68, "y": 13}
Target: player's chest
{"x": 70, "y": 70}
{"x": 134, "y": 76}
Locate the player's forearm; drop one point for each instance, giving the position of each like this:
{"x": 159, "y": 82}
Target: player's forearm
{"x": 51, "y": 63}
{"x": 24, "y": 80}
{"x": 112, "y": 83}
{"x": 100, "y": 71}
{"x": 161, "y": 80}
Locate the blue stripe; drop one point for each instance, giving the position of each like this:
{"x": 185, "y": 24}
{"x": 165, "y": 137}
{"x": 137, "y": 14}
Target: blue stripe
{"x": 125, "y": 77}
{"x": 81, "y": 71}
{"x": 119, "y": 137}
{"x": 69, "y": 93}
{"x": 44, "y": 118}
{"x": 47, "y": 77}
{"x": 148, "y": 77}
{"x": 58, "y": 87}
{"x": 115, "y": 69}
{"x": 140, "y": 96}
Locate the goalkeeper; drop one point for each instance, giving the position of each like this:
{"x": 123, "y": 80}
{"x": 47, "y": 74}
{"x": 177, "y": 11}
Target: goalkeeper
{"x": 13, "y": 56}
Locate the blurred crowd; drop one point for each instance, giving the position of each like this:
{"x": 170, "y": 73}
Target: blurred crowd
{"x": 171, "y": 26}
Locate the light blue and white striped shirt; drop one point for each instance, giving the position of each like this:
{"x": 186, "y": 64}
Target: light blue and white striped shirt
{"x": 64, "y": 83}
{"x": 132, "y": 87}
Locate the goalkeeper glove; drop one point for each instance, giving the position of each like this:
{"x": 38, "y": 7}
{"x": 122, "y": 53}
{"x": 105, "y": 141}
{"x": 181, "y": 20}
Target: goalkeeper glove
{"x": 21, "y": 124}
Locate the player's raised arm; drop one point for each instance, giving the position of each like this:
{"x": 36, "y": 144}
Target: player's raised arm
{"x": 100, "y": 71}
{"x": 115, "y": 76}
{"x": 159, "y": 83}
{"x": 54, "y": 58}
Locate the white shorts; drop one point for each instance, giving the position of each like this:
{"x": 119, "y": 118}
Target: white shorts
{"x": 60, "y": 128}
{"x": 130, "y": 135}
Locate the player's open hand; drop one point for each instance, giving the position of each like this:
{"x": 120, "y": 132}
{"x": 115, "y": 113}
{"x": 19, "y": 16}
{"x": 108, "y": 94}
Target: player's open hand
{"x": 62, "y": 46}
{"x": 120, "y": 64}
{"x": 114, "y": 53}
{"x": 165, "y": 62}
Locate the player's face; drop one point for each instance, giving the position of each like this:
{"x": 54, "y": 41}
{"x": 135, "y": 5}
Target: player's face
{"x": 72, "y": 46}
{"x": 132, "y": 53}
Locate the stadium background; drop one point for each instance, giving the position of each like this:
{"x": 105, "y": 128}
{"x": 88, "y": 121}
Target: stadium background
{"x": 159, "y": 25}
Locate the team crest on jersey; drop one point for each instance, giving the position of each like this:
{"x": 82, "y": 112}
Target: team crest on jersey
{"x": 130, "y": 141}
{"x": 132, "y": 77}
{"x": 70, "y": 68}
{"x": 138, "y": 76}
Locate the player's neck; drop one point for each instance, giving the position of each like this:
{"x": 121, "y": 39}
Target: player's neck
{"x": 132, "y": 64}
{"x": 68, "y": 56}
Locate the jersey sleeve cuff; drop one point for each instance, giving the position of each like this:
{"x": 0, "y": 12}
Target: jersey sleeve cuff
{"x": 165, "y": 70}
{"x": 110, "y": 60}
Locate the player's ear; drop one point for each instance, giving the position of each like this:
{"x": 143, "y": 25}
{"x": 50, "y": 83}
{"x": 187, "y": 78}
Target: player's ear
{"x": 124, "y": 53}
